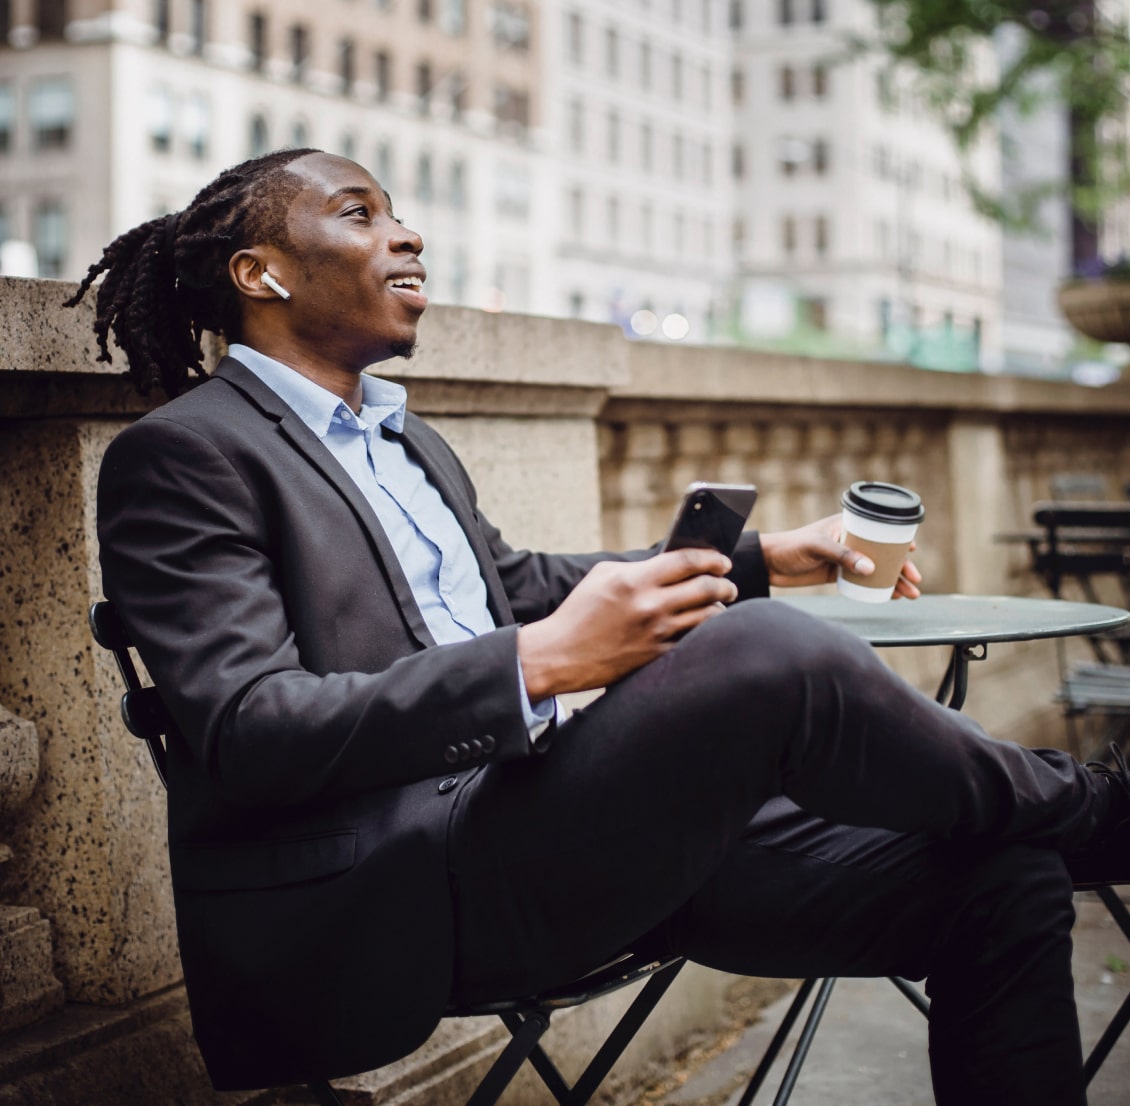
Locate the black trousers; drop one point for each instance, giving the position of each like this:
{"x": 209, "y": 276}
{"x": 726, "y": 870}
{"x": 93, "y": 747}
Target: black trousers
{"x": 769, "y": 799}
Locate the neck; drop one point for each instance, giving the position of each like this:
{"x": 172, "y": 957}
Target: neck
{"x": 324, "y": 370}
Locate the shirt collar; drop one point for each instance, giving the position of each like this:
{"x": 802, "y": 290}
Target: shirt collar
{"x": 382, "y": 402}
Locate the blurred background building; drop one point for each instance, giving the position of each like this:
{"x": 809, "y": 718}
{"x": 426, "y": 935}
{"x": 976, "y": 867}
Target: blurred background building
{"x": 700, "y": 170}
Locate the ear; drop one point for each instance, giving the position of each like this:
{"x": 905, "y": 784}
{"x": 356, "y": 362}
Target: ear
{"x": 246, "y": 270}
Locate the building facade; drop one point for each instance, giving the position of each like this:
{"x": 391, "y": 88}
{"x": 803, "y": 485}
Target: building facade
{"x": 112, "y": 111}
{"x": 851, "y": 214}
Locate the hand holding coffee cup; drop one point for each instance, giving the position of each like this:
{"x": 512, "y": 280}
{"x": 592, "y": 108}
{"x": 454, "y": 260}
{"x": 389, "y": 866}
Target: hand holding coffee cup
{"x": 879, "y": 521}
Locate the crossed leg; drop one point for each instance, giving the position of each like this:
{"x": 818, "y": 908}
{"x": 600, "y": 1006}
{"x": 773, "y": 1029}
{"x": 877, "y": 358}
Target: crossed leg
{"x": 649, "y": 815}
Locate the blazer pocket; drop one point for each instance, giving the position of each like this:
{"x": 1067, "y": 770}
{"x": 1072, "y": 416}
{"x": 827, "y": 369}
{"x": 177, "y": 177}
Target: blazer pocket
{"x": 262, "y": 864}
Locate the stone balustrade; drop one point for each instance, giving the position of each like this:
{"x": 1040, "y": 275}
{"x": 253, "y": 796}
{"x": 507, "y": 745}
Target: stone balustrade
{"x": 575, "y": 437}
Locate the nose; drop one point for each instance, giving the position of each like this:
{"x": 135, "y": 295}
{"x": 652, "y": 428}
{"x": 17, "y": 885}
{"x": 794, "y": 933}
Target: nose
{"x": 405, "y": 240}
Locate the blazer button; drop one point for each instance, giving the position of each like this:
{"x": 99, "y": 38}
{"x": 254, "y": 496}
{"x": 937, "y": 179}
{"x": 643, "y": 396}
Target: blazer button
{"x": 488, "y": 744}
{"x": 447, "y": 784}
{"x": 451, "y": 754}
{"x": 476, "y": 747}
{"x": 464, "y": 750}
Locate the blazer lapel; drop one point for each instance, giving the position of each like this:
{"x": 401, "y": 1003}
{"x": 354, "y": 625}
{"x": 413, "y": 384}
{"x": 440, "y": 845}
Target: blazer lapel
{"x": 306, "y": 442}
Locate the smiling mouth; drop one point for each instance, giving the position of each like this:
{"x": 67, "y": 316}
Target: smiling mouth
{"x": 408, "y": 283}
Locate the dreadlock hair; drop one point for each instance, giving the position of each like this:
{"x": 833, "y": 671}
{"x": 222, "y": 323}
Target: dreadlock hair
{"x": 167, "y": 280}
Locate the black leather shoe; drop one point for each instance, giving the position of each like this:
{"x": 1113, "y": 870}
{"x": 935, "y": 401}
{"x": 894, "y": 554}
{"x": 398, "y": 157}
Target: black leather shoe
{"x": 1106, "y": 859}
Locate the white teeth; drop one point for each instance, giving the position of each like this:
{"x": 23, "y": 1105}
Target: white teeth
{"x": 405, "y": 282}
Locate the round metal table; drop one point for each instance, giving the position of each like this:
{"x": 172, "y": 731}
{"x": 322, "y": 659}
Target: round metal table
{"x": 967, "y": 623}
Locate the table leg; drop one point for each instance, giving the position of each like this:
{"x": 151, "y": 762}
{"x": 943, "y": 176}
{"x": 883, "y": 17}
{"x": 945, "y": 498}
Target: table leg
{"x": 955, "y": 682}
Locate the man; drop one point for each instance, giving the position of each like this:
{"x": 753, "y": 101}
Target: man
{"x": 371, "y": 807}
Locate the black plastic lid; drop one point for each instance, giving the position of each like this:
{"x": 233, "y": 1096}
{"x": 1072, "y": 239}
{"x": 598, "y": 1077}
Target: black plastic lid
{"x": 883, "y": 502}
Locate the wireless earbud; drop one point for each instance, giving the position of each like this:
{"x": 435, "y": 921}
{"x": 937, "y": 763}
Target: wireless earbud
{"x": 275, "y": 286}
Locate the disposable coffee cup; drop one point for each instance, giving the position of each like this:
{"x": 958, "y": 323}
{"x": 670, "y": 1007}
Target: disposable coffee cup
{"x": 879, "y": 521}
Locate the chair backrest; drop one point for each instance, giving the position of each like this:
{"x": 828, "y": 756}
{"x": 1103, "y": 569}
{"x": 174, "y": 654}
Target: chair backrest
{"x": 1078, "y": 485}
{"x": 143, "y": 712}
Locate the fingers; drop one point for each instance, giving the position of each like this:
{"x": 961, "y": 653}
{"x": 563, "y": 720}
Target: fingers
{"x": 682, "y": 564}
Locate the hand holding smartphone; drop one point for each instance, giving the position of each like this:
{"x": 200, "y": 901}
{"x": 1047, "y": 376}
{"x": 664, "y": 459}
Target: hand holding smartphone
{"x": 711, "y": 516}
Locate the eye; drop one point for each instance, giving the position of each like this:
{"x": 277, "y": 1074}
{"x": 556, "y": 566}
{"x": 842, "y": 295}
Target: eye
{"x": 358, "y": 209}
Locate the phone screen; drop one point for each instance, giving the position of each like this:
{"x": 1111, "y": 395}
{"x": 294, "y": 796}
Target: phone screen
{"x": 711, "y": 516}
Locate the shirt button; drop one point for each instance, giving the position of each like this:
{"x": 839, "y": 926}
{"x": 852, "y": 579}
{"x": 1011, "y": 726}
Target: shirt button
{"x": 447, "y": 784}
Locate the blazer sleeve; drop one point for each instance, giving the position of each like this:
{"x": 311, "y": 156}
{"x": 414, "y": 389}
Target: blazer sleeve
{"x": 187, "y": 560}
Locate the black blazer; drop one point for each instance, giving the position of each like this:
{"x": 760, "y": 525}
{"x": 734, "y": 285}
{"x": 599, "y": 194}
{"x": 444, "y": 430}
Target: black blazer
{"x": 319, "y": 726}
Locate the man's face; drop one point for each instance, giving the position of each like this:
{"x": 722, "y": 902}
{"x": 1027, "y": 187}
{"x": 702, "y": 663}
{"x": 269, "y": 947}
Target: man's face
{"x": 352, "y": 269}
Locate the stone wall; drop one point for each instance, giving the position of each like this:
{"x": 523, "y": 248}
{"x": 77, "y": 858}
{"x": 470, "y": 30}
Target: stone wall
{"x": 575, "y": 437}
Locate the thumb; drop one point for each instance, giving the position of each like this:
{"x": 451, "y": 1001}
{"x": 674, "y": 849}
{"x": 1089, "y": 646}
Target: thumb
{"x": 855, "y": 561}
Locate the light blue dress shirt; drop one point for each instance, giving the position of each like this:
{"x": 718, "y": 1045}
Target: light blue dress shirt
{"x": 430, "y": 545}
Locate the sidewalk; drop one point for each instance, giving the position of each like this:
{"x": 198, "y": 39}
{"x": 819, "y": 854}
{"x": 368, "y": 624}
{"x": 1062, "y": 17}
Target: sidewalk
{"x": 871, "y": 1046}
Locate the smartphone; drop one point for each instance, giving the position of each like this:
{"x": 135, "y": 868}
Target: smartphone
{"x": 711, "y": 516}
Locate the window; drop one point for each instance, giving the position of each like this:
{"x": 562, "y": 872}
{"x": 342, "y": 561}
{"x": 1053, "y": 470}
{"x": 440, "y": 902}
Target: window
{"x": 613, "y": 137}
{"x": 786, "y": 82}
{"x": 678, "y": 157}
{"x": 821, "y": 235}
{"x": 257, "y": 38}
{"x": 299, "y": 134}
{"x": 299, "y": 51}
{"x": 348, "y": 146}
{"x": 5, "y": 225}
{"x": 510, "y": 25}
{"x": 706, "y": 83}
{"x": 784, "y": 12}
{"x": 647, "y": 228}
{"x": 346, "y": 69}
{"x": 457, "y": 186}
{"x": 49, "y": 236}
{"x": 575, "y": 37}
{"x": 577, "y": 126}
{"x": 576, "y": 305}
{"x": 677, "y": 76}
{"x": 736, "y": 15}
{"x": 7, "y": 117}
{"x": 820, "y": 81}
{"x": 738, "y": 237}
{"x": 612, "y": 217}
{"x": 679, "y": 232}
{"x": 611, "y": 53}
{"x": 457, "y": 94}
{"x": 453, "y": 16}
{"x": 647, "y": 146}
{"x": 737, "y": 161}
{"x": 424, "y": 10}
{"x": 197, "y": 26}
{"x": 161, "y": 22}
{"x": 51, "y": 18}
{"x": 385, "y": 166}
{"x": 51, "y": 112}
{"x": 819, "y": 157}
{"x": 425, "y": 187}
{"x": 260, "y": 142}
{"x": 819, "y": 11}
{"x": 577, "y": 212}
{"x": 788, "y": 235}
{"x": 423, "y": 88}
{"x": 737, "y": 86}
{"x": 161, "y": 119}
{"x": 511, "y": 108}
{"x": 645, "y": 65}
{"x": 382, "y": 73}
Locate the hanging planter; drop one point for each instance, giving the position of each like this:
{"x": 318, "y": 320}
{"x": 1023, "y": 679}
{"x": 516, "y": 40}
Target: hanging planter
{"x": 1098, "y": 307}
